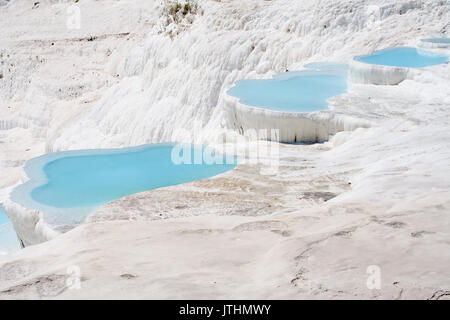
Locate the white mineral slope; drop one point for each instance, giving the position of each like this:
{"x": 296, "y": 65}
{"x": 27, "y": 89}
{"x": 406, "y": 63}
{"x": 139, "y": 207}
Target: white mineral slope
{"x": 375, "y": 74}
{"x": 292, "y": 127}
{"x": 320, "y": 251}
{"x": 243, "y": 234}
{"x": 170, "y": 84}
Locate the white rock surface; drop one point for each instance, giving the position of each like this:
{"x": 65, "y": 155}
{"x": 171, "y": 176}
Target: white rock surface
{"x": 439, "y": 46}
{"x": 128, "y": 76}
{"x": 29, "y": 224}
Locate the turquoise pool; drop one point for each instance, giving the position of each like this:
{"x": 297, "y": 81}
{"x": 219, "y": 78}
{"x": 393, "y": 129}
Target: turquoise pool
{"x": 67, "y": 185}
{"x": 403, "y": 57}
{"x": 300, "y": 91}
{"x": 8, "y": 237}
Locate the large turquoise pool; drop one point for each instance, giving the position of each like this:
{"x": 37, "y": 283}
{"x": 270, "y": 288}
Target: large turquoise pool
{"x": 403, "y": 57}
{"x": 66, "y": 185}
{"x": 300, "y": 91}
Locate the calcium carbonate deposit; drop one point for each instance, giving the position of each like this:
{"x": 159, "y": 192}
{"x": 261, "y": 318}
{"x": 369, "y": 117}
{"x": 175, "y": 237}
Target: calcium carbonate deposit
{"x": 348, "y": 202}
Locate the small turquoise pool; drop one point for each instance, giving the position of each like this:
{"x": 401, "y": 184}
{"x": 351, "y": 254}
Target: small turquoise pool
{"x": 403, "y": 57}
{"x": 66, "y": 182}
{"x": 300, "y": 91}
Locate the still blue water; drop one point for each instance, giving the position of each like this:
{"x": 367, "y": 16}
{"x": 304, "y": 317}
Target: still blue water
{"x": 301, "y": 91}
{"x": 437, "y": 40}
{"x": 403, "y": 57}
{"x": 94, "y": 177}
